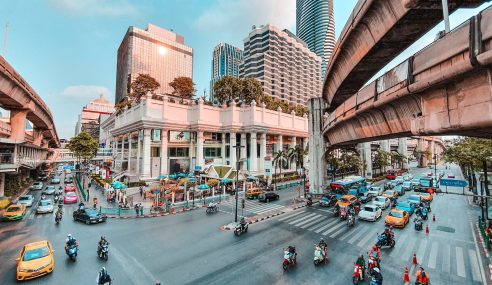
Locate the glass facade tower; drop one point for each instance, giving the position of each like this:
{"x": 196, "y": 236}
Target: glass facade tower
{"x": 225, "y": 62}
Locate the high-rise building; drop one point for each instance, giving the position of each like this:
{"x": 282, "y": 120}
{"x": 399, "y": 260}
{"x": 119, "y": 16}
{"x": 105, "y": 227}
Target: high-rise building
{"x": 225, "y": 62}
{"x": 315, "y": 23}
{"x": 88, "y": 120}
{"x": 283, "y": 64}
{"x": 155, "y": 51}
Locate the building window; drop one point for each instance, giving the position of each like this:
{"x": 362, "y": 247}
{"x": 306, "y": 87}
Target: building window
{"x": 212, "y": 151}
{"x": 178, "y": 152}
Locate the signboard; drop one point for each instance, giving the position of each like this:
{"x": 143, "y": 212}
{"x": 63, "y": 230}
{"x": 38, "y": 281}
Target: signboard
{"x": 156, "y": 135}
{"x": 453, "y": 182}
{"x": 268, "y": 166}
{"x": 198, "y": 168}
{"x": 177, "y": 136}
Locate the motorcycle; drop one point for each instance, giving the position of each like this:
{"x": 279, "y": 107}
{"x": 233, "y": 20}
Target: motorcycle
{"x": 103, "y": 252}
{"x": 58, "y": 218}
{"x": 320, "y": 255}
{"x": 394, "y": 202}
{"x": 384, "y": 241}
{"x": 418, "y": 223}
{"x": 343, "y": 214}
{"x": 350, "y": 220}
{"x": 423, "y": 213}
{"x": 309, "y": 202}
{"x": 240, "y": 229}
{"x": 56, "y": 198}
{"x": 72, "y": 252}
{"x": 358, "y": 275}
{"x": 212, "y": 209}
{"x": 336, "y": 212}
{"x": 288, "y": 261}
{"x": 373, "y": 281}
{"x": 371, "y": 264}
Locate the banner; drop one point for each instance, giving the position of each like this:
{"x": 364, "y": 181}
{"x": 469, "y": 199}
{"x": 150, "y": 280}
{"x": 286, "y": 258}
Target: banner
{"x": 268, "y": 166}
{"x": 177, "y": 136}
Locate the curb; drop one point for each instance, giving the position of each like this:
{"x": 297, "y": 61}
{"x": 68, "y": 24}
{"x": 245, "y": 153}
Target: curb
{"x": 154, "y": 215}
{"x": 265, "y": 218}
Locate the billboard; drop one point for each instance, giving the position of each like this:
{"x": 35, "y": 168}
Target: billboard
{"x": 179, "y": 165}
{"x": 156, "y": 135}
{"x": 177, "y": 136}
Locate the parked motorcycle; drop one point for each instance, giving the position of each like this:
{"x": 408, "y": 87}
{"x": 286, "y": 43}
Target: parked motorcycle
{"x": 320, "y": 255}
{"x": 350, "y": 220}
{"x": 103, "y": 252}
{"x": 358, "y": 275}
{"x": 241, "y": 228}
{"x": 419, "y": 223}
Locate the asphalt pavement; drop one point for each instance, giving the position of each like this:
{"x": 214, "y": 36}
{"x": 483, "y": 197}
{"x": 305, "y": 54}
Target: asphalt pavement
{"x": 190, "y": 248}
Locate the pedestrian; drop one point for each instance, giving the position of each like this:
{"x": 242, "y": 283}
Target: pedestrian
{"x": 87, "y": 194}
{"x": 141, "y": 191}
{"x": 145, "y": 196}
{"x": 141, "y": 210}
{"x": 136, "y": 209}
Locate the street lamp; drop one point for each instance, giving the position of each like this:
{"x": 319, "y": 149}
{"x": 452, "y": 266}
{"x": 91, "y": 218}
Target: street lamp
{"x": 237, "y": 146}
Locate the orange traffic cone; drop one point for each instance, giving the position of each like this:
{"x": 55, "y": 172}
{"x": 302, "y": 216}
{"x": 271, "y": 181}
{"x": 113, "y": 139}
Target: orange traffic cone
{"x": 406, "y": 278}
{"x": 433, "y": 218}
{"x": 427, "y": 229}
{"x": 414, "y": 261}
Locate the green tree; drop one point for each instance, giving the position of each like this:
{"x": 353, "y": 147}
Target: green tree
{"x": 349, "y": 160}
{"x": 83, "y": 146}
{"x": 399, "y": 158}
{"x": 227, "y": 88}
{"x": 183, "y": 87}
{"x": 143, "y": 84}
{"x": 382, "y": 159}
{"x": 252, "y": 90}
{"x": 333, "y": 161}
{"x": 279, "y": 160}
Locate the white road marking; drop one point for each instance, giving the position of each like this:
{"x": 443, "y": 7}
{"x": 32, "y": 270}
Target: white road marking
{"x": 323, "y": 223}
{"x": 355, "y": 237}
{"x": 421, "y": 251}
{"x": 433, "y": 255}
{"x": 326, "y": 226}
{"x": 308, "y": 220}
{"x": 311, "y": 223}
{"x": 460, "y": 263}
{"x": 446, "y": 265}
{"x": 301, "y": 218}
{"x": 408, "y": 251}
{"x": 474, "y": 265}
{"x": 335, "y": 234}
{"x": 334, "y": 228}
{"x": 290, "y": 216}
{"x": 347, "y": 234}
{"x": 399, "y": 245}
{"x": 369, "y": 236}
{"x": 136, "y": 271}
{"x": 484, "y": 280}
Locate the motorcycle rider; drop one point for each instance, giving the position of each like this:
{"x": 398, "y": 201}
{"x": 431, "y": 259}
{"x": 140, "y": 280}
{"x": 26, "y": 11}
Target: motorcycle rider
{"x": 292, "y": 253}
{"x": 422, "y": 278}
{"x": 322, "y": 243}
{"x": 242, "y": 223}
{"x": 59, "y": 212}
{"x": 378, "y": 277}
{"x": 101, "y": 243}
{"x": 362, "y": 263}
{"x": 388, "y": 234}
{"x": 337, "y": 210}
{"x": 71, "y": 241}
{"x": 375, "y": 252}
{"x": 103, "y": 277}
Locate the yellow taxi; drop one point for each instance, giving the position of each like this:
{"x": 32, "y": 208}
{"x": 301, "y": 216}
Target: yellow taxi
{"x": 253, "y": 193}
{"x": 346, "y": 200}
{"x": 390, "y": 194}
{"x": 14, "y": 212}
{"x": 35, "y": 259}
{"x": 397, "y": 218}
{"x": 427, "y": 197}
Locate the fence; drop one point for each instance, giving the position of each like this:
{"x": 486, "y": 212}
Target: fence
{"x": 81, "y": 188}
{"x": 481, "y": 225}
{"x": 289, "y": 184}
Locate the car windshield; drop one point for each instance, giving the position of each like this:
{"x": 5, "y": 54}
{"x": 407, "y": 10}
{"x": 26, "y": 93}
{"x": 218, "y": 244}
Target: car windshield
{"x": 36, "y": 253}
{"x": 404, "y": 205}
{"x": 388, "y": 192}
{"x": 396, "y": 214}
{"x": 91, "y": 212}
{"x": 369, "y": 209}
{"x": 71, "y": 194}
{"x": 45, "y": 203}
{"x": 13, "y": 209}
{"x": 24, "y": 198}
{"x": 413, "y": 197}
{"x": 379, "y": 199}
{"x": 345, "y": 200}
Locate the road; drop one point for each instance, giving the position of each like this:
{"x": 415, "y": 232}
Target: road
{"x": 190, "y": 248}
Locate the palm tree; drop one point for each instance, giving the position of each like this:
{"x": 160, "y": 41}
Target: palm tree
{"x": 279, "y": 158}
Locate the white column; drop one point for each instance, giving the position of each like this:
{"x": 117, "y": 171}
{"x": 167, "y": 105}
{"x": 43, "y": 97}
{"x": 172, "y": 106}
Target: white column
{"x": 365, "y": 153}
{"x": 280, "y": 143}
{"x": 116, "y": 150}
{"x": 139, "y": 150}
{"x": 403, "y": 149}
{"x": 385, "y": 145}
{"x": 2, "y": 184}
{"x": 122, "y": 151}
{"x": 164, "y": 169}
{"x": 199, "y": 149}
{"x": 262, "y": 152}
{"x": 223, "y": 148}
{"x": 243, "y": 150}
{"x": 129, "y": 151}
{"x": 146, "y": 154}
{"x": 293, "y": 145}
{"x": 253, "y": 153}
{"x": 232, "y": 152}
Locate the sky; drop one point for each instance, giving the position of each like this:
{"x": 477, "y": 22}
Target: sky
{"x": 66, "y": 49}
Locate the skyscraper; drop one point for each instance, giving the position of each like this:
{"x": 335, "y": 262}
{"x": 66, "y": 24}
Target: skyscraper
{"x": 283, "y": 64}
{"x": 155, "y": 51}
{"x": 88, "y": 120}
{"x": 225, "y": 62}
{"x": 315, "y": 23}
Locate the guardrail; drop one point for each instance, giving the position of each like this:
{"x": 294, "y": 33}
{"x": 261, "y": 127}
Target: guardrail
{"x": 481, "y": 225}
{"x": 81, "y": 188}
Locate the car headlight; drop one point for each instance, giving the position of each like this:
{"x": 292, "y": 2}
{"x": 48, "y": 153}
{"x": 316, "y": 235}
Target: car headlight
{"x": 23, "y": 270}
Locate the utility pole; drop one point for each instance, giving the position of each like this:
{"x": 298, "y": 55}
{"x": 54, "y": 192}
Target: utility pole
{"x": 238, "y": 148}
{"x": 445, "y": 14}
{"x": 5, "y": 38}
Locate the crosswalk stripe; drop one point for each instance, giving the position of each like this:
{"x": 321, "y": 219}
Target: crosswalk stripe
{"x": 446, "y": 265}
{"x": 355, "y": 237}
{"x": 400, "y": 245}
{"x": 308, "y": 220}
{"x": 408, "y": 250}
{"x": 433, "y": 255}
{"x": 272, "y": 209}
{"x": 421, "y": 251}
{"x": 368, "y": 238}
{"x": 311, "y": 223}
{"x": 460, "y": 264}
{"x": 334, "y": 228}
{"x": 326, "y": 226}
{"x": 323, "y": 223}
{"x": 474, "y": 265}
{"x": 301, "y": 218}
{"x": 335, "y": 234}
{"x": 347, "y": 234}
{"x": 290, "y": 216}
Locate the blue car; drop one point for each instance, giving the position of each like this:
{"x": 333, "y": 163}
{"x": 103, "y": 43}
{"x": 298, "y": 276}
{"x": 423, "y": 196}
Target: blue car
{"x": 406, "y": 206}
{"x": 414, "y": 199}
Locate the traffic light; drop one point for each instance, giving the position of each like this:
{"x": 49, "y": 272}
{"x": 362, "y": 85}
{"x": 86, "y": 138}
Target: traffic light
{"x": 242, "y": 203}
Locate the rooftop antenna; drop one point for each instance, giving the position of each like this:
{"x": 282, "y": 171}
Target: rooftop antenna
{"x": 5, "y": 36}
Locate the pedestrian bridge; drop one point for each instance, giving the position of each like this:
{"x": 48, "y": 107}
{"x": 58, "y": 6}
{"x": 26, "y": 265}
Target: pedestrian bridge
{"x": 375, "y": 33}
{"x": 446, "y": 88}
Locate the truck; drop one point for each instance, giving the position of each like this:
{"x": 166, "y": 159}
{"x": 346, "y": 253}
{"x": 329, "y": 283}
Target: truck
{"x": 426, "y": 183}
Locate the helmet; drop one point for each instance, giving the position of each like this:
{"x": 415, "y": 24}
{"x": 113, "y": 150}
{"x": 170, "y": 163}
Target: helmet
{"x": 103, "y": 238}
{"x": 321, "y": 239}
{"x": 376, "y": 269}
{"x": 374, "y": 247}
{"x": 103, "y": 269}
{"x": 69, "y": 236}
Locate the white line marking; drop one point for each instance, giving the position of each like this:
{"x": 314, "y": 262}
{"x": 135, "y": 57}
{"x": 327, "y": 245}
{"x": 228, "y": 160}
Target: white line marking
{"x": 474, "y": 265}
{"x": 311, "y": 223}
{"x": 323, "y": 223}
{"x": 460, "y": 263}
{"x": 354, "y": 237}
{"x": 302, "y": 218}
{"x": 433, "y": 255}
{"x": 369, "y": 236}
{"x": 421, "y": 251}
{"x": 339, "y": 225}
{"x": 325, "y": 226}
{"x": 446, "y": 265}
{"x": 308, "y": 220}
{"x": 484, "y": 280}
{"x": 290, "y": 216}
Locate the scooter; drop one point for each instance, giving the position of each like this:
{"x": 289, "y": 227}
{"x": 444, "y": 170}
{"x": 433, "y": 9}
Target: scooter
{"x": 240, "y": 228}
{"x": 288, "y": 262}
{"x": 57, "y": 198}
{"x": 72, "y": 252}
{"x": 309, "y": 202}
{"x": 212, "y": 209}
{"x": 350, "y": 220}
{"x": 104, "y": 251}
{"x": 418, "y": 223}
{"x": 319, "y": 255}
{"x": 58, "y": 218}
{"x": 358, "y": 275}
{"x": 383, "y": 241}
{"x": 371, "y": 264}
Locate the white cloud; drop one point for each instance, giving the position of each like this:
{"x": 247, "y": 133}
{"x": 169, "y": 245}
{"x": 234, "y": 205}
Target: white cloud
{"x": 237, "y": 16}
{"x": 81, "y": 8}
{"x": 85, "y": 92}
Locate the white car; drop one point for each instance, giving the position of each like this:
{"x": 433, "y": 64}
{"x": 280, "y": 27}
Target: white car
{"x": 38, "y": 185}
{"x": 407, "y": 177}
{"x": 381, "y": 201}
{"x": 398, "y": 180}
{"x": 26, "y": 200}
{"x": 407, "y": 186}
{"x": 370, "y": 213}
{"x": 376, "y": 191}
{"x": 49, "y": 190}
{"x": 45, "y": 206}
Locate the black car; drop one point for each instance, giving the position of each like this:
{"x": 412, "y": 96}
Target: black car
{"x": 89, "y": 216}
{"x": 365, "y": 197}
{"x": 268, "y": 196}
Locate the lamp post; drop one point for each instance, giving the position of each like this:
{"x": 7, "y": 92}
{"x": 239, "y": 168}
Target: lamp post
{"x": 435, "y": 165}
{"x": 237, "y": 146}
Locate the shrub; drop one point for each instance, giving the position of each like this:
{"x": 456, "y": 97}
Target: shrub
{"x": 4, "y": 204}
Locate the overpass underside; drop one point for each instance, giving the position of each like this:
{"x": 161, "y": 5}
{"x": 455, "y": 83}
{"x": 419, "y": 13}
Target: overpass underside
{"x": 445, "y": 89}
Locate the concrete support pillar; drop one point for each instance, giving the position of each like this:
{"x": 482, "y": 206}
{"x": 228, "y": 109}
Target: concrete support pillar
{"x": 116, "y": 153}
{"x": 18, "y": 124}
{"x": 403, "y": 149}
{"x": 385, "y": 145}
{"x": 293, "y": 143}
{"x": 253, "y": 153}
{"x": 243, "y": 153}
{"x": 37, "y": 136}
{"x": 223, "y": 148}
{"x": 232, "y": 150}
{"x": 422, "y": 161}
{"x": 366, "y": 157}
{"x": 139, "y": 150}
{"x": 129, "y": 151}
{"x": 164, "y": 162}
{"x": 2, "y": 184}
{"x": 122, "y": 151}
{"x": 280, "y": 143}
{"x": 262, "y": 152}
{"x": 199, "y": 149}
{"x": 146, "y": 154}
{"x": 317, "y": 146}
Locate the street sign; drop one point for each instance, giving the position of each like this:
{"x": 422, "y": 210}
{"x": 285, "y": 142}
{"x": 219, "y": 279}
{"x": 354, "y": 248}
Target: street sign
{"x": 453, "y": 182}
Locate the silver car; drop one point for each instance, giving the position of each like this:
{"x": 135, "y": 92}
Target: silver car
{"x": 49, "y": 190}
{"x": 45, "y": 206}
{"x": 26, "y": 200}
{"x": 38, "y": 185}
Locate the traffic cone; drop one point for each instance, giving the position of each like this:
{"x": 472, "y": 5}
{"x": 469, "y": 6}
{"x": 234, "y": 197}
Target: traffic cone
{"x": 414, "y": 261}
{"x": 406, "y": 278}
{"x": 427, "y": 229}
{"x": 433, "y": 218}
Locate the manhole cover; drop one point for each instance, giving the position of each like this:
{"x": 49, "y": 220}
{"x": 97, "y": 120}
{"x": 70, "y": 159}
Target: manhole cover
{"x": 445, "y": 229}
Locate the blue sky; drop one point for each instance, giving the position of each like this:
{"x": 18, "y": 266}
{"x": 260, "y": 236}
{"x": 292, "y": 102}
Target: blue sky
{"x": 66, "y": 49}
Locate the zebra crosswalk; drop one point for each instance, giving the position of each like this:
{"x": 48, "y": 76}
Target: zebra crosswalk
{"x": 460, "y": 259}
{"x": 251, "y": 206}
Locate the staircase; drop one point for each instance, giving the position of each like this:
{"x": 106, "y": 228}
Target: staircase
{"x": 119, "y": 175}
